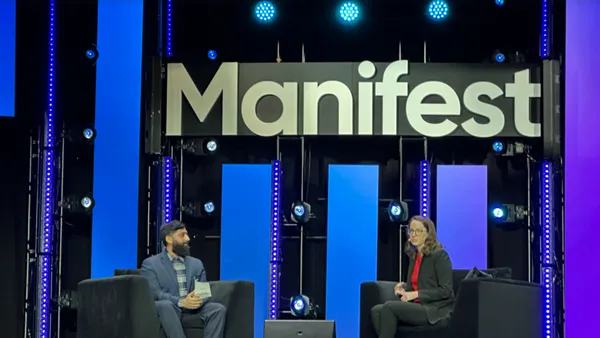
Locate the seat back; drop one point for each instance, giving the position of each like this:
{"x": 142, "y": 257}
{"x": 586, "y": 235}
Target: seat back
{"x": 459, "y": 275}
{"x": 127, "y": 272}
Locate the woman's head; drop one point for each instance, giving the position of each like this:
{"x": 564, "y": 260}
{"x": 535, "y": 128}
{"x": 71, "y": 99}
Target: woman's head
{"x": 421, "y": 234}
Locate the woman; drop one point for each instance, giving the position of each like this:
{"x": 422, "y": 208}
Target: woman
{"x": 428, "y": 296}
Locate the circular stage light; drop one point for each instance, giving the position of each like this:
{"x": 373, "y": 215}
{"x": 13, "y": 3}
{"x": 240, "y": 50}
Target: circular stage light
{"x": 88, "y": 134}
{"x": 349, "y": 12}
{"x": 299, "y": 210}
{"x": 90, "y": 54}
{"x": 398, "y": 211}
{"x": 499, "y": 2}
{"x": 209, "y": 207}
{"x": 212, "y": 54}
{"x": 499, "y": 57}
{"x": 438, "y": 10}
{"x": 499, "y": 213}
{"x": 264, "y": 11}
{"x": 211, "y": 146}
{"x": 498, "y": 146}
{"x": 87, "y": 202}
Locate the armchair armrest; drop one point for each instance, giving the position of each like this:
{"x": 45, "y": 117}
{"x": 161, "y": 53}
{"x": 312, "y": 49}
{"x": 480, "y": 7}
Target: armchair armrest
{"x": 371, "y": 294}
{"x": 497, "y": 308}
{"x": 116, "y": 307}
{"x": 238, "y": 298}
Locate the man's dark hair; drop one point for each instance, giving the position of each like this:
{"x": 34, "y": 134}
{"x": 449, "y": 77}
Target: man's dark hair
{"x": 169, "y": 229}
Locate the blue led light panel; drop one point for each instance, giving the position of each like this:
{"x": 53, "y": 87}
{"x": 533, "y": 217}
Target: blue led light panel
{"x": 117, "y": 146}
{"x": 8, "y": 35}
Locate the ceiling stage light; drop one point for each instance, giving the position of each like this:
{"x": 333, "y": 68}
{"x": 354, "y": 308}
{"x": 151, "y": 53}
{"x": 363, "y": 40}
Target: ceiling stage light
{"x": 438, "y": 10}
{"x": 499, "y": 57}
{"x": 499, "y": 2}
{"x": 303, "y": 307}
{"x": 209, "y": 207}
{"x": 212, "y": 54}
{"x": 265, "y": 11}
{"x": 349, "y": 12}
{"x": 89, "y": 133}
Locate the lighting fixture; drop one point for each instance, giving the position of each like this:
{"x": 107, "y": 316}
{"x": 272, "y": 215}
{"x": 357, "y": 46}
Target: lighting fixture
{"x": 274, "y": 259}
{"x": 167, "y": 190}
{"x": 301, "y": 212}
{"x": 302, "y": 306}
{"x": 79, "y": 204}
{"x": 264, "y": 11}
{"x": 169, "y": 28}
{"x": 92, "y": 53}
{"x": 349, "y": 12}
{"x": 438, "y": 10}
{"x": 198, "y": 209}
{"x": 212, "y": 54}
{"x": 424, "y": 188}
{"x": 44, "y": 248}
{"x": 398, "y": 211}
{"x": 547, "y": 249}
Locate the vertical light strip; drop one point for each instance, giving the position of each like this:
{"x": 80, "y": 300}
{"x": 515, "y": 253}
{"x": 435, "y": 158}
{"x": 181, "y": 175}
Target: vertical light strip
{"x": 169, "y": 27}
{"x": 545, "y": 31}
{"x": 45, "y": 245}
{"x": 117, "y": 146}
{"x": 424, "y": 196}
{"x": 275, "y": 259}
{"x": 8, "y": 38}
{"x": 168, "y": 191}
{"x": 548, "y": 248}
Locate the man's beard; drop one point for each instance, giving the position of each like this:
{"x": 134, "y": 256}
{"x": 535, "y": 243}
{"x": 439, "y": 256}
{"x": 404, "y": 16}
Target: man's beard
{"x": 181, "y": 249}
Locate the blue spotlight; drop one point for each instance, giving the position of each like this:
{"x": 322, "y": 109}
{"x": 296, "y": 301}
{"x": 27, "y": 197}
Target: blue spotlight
{"x": 499, "y": 57}
{"x": 398, "y": 211}
{"x": 500, "y": 213}
{"x": 498, "y": 146}
{"x": 349, "y": 12}
{"x": 264, "y": 11}
{"x": 499, "y": 2}
{"x": 212, "y": 54}
{"x": 302, "y": 306}
{"x": 301, "y": 212}
{"x": 438, "y": 10}
{"x": 90, "y": 54}
{"x": 209, "y": 207}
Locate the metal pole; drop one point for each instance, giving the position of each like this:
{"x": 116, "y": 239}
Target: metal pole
{"x": 60, "y": 232}
{"x": 400, "y": 197}
{"x": 301, "y": 267}
{"x": 529, "y": 231}
{"x": 28, "y": 248}
{"x": 149, "y": 205}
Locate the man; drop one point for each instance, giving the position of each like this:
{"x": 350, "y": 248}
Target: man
{"x": 171, "y": 276}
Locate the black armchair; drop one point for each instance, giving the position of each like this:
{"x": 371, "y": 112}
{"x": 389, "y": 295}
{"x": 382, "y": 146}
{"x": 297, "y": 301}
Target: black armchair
{"x": 484, "y": 308}
{"x": 123, "y": 306}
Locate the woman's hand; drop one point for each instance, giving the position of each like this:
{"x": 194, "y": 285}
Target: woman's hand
{"x": 407, "y": 296}
{"x": 399, "y": 288}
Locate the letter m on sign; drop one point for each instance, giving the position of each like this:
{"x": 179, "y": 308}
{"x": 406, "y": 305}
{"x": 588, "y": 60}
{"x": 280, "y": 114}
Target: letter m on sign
{"x": 180, "y": 84}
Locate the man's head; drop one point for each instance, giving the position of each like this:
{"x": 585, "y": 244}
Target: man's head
{"x": 175, "y": 237}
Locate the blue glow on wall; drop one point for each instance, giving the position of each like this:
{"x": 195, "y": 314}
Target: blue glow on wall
{"x": 462, "y": 190}
{"x": 246, "y": 231}
{"x": 352, "y": 217}
{"x": 117, "y": 146}
{"x": 8, "y": 37}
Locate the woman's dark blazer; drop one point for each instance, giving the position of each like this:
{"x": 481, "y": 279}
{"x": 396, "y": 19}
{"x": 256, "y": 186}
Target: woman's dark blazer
{"x": 435, "y": 284}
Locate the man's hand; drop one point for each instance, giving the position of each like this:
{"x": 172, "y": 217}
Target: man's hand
{"x": 399, "y": 288}
{"x": 191, "y": 301}
{"x": 407, "y": 296}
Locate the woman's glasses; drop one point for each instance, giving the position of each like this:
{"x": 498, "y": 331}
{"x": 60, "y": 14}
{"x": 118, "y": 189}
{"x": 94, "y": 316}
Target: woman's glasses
{"x": 415, "y": 231}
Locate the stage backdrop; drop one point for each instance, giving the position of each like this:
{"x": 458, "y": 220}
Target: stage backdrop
{"x": 117, "y": 146}
{"x": 8, "y": 36}
{"x": 246, "y": 231}
{"x": 352, "y": 222}
{"x": 462, "y": 214}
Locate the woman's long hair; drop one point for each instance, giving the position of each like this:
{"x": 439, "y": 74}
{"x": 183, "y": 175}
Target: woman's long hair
{"x": 431, "y": 243}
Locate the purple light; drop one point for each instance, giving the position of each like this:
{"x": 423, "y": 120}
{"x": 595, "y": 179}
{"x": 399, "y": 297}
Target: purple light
{"x": 424, "y": 196}
{"x": 168, "y": 191}
{"x": 581, "y": 162}
{"x": 169, "y": 27}
{"x": 45, "y": 250}
{"x": 274, "y": 264}
{"x": 547, "y": 249}
{"x": 545, "y": 32}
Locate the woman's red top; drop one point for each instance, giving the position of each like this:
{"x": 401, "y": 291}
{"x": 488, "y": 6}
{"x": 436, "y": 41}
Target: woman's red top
{"x": 414, "y": 279}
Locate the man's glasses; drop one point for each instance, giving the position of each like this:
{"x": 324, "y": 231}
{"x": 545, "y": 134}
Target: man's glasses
{"x": 414, "y": 231}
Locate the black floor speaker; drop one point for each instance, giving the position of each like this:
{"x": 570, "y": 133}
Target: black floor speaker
{"x": 299, "y": 329}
